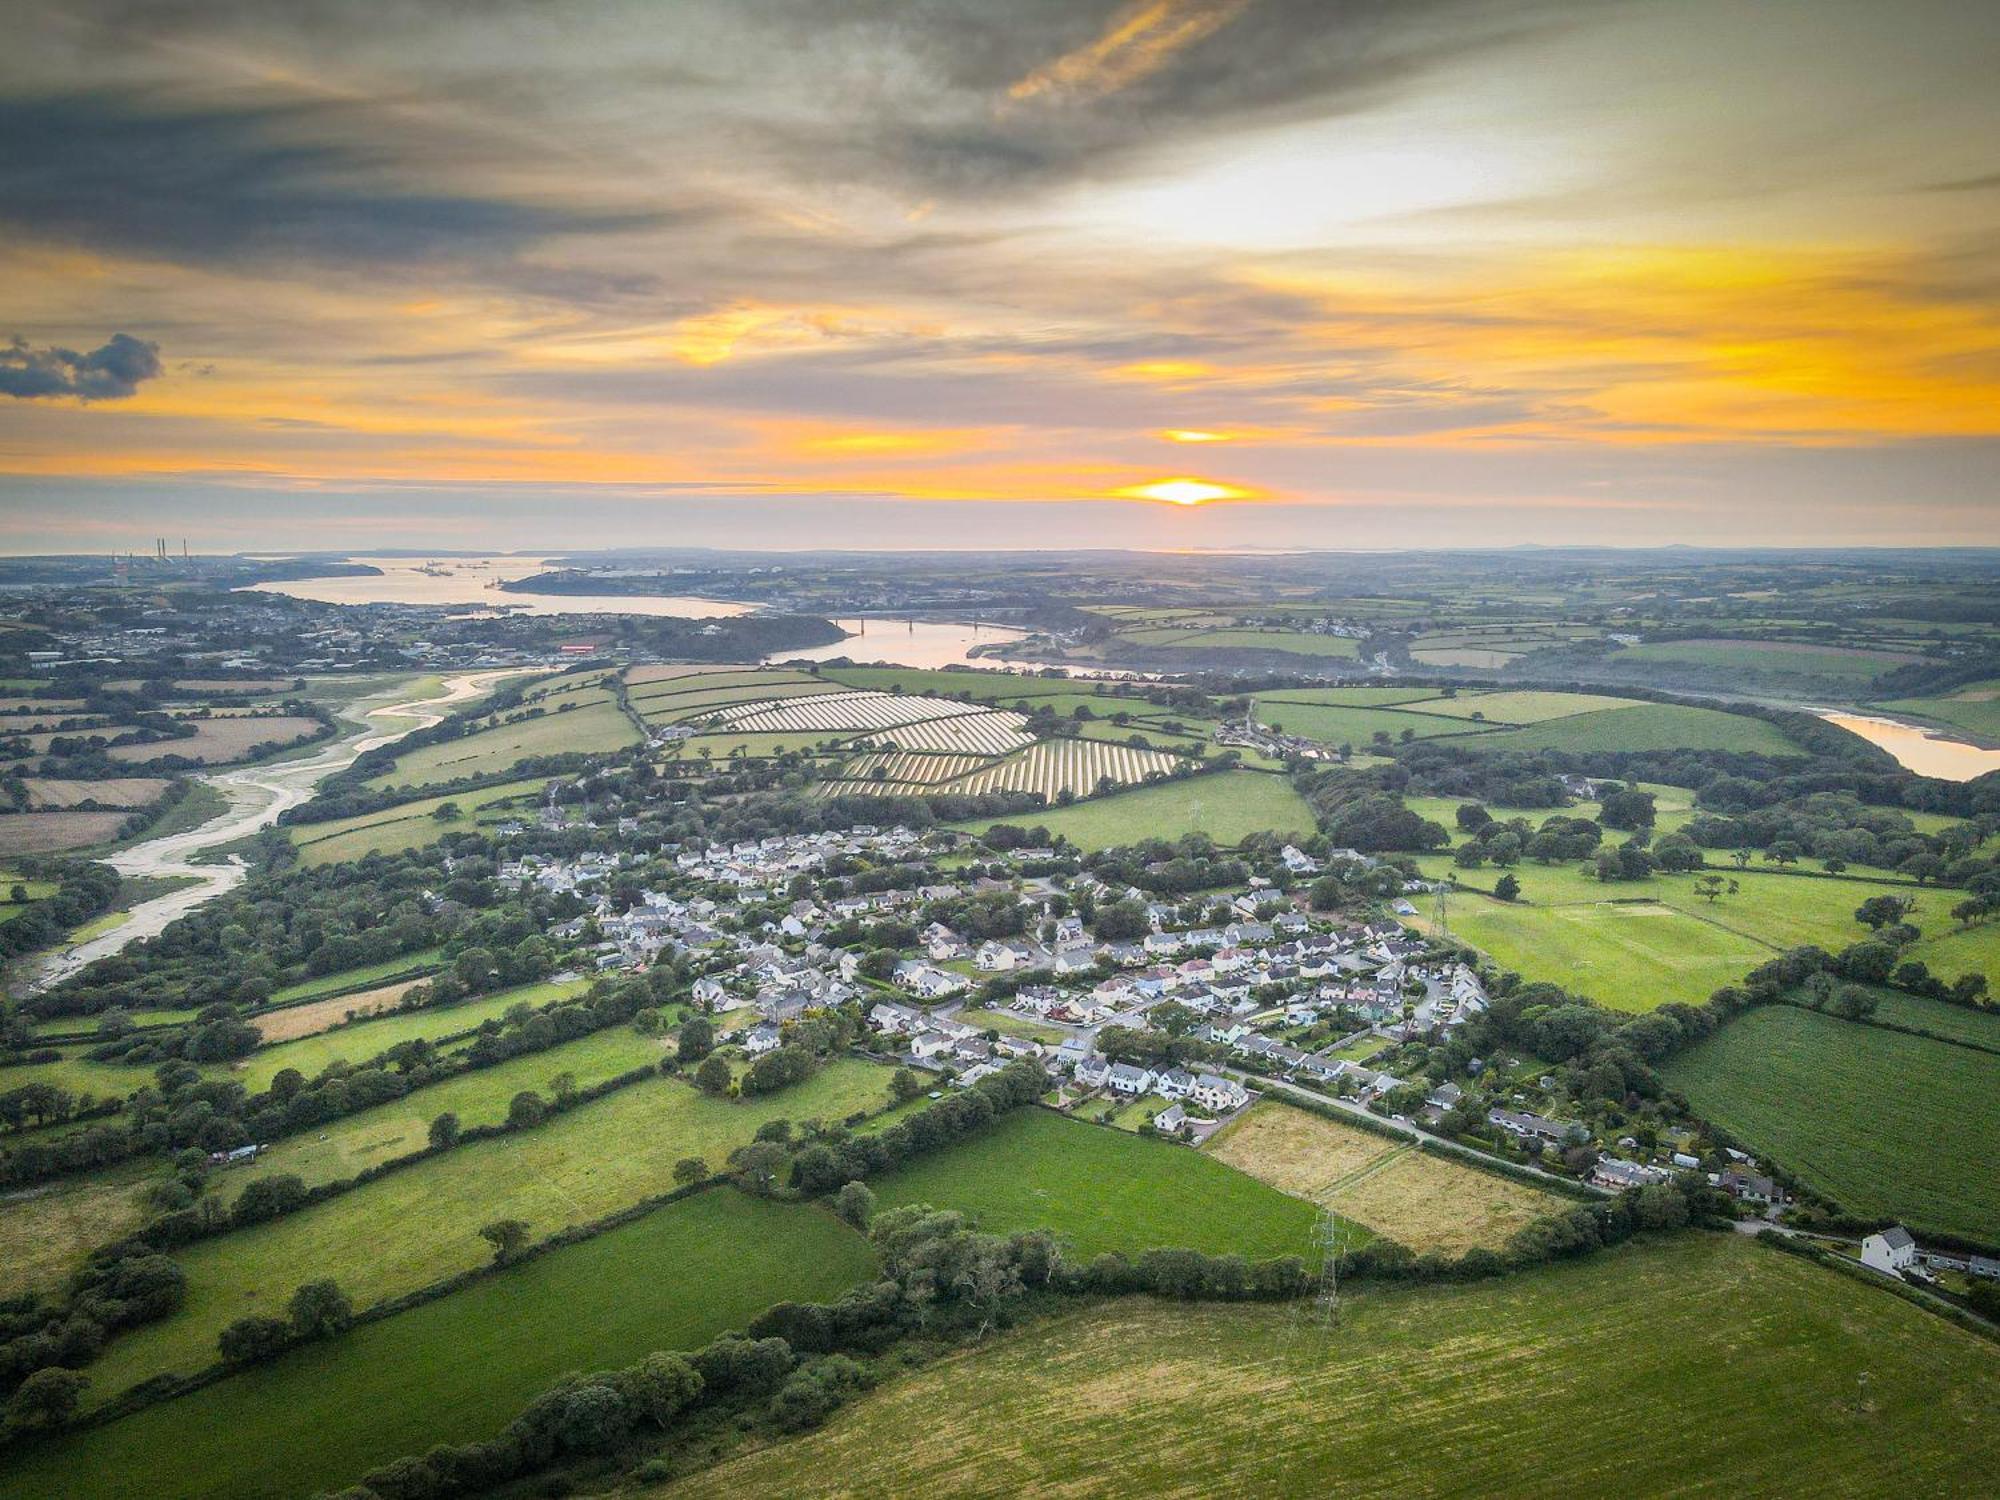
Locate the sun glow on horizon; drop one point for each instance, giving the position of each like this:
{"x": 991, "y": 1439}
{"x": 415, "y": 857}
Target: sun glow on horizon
{"x": 1183, "y": 491}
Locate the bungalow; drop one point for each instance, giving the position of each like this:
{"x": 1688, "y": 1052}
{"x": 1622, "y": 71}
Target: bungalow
{"x": 1171, "y": 1120}
{"x": 1610, "y": 1172}
{"x": 1890, "y": 1251}
{"x": 1221, "y": 1095}
{"x": 1445, "y": 1096}
{"x": 761, "y": 1039}
{"x": 1524, "y": 1126}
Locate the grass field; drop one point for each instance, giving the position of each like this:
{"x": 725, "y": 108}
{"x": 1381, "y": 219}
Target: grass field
{"x": 365, "y": 1039}
{"x": 1790, "y": 658}
{"x": 1335, "y": 725}
{"x": 1522, "y": 707}
{"x": 458, "y": 1369}
{"x": 49, "y": 1232}
{"x": 596, "y": 725}
{"x": 419, "y": 1225}
{"x": 220, "y": 741}
{"x": 1228, "y": 806}
{"x": 1646, "y": 726}
{"x": 45, "y": 1230}
{"x": 307, "y": 989}
{"x": 1705, "y": 1365}
{"x": 1634, "y": 945}
{"x": 1423, "y": 1201}
{"x": 53, "y": 832}
{"x": 410, "y": 825}
{"x": 290, "y": 1022}
{"x": 120, "y": 791}
{"x": 1298, "y": 643}
{"x": 1103, "y": 1190}
{"x": 1884, "y": 1123}
{"x": 1974, "y": 709}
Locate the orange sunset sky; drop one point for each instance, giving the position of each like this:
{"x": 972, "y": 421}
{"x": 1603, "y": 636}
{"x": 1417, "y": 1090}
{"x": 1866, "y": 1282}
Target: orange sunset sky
{"x": 998, "y": 273}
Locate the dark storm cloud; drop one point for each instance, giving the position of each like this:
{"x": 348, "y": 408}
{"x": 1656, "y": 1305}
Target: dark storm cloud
{"x": 222, "y": 185}
{"x": 109, "y": 372}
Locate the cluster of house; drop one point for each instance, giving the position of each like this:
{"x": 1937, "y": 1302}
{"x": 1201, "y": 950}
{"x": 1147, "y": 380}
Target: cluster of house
{"x": 1895, "y": 1252}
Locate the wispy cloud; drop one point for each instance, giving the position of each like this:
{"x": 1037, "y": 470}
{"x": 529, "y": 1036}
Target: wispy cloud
{"x": 1141, "y": 39}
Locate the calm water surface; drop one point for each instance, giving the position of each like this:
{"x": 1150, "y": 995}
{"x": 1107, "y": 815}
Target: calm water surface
{"x": 468, "y": 580}
{"x": 1922, "y": 750}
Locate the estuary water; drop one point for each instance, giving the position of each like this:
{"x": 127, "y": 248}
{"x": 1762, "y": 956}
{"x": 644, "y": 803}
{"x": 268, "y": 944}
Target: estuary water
{"x": 1916, "y": 748}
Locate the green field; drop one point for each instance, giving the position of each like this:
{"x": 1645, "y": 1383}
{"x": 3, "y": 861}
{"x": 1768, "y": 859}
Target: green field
{"x": 1522, "y": 707}
{"x": 1974, "y": 709}
{"x": 1884, "y": 1123}
{"x": 458, "y": 1369}
{"x": 364, "y": 977}
{"x": 1634, "y": 945}
{"x": 1646, "y": 726}
{"x": 366, "y": 1039}
{"x": 1787, "y": 658}
{"x": 985, "y": 686}
{"x": 421, "y": 1224}
{"x": 1228, "y": 806}
{"x": 1298, "y": 643}
{"x": 1705, "y": 1365}
{"x": 46, "y": 1234}
{"x": 410, "y": 825}
{"x": 1334, "y": 725}
{"x": 1104, "y": 1190}
{"x": 595, "y": 726}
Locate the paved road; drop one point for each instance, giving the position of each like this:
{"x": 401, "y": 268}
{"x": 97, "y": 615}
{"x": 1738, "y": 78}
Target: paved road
{"x": 256, "y": 796}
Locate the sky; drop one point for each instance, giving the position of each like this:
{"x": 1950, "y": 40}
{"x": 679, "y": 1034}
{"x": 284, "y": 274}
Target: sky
{"x": 998, "y": 273}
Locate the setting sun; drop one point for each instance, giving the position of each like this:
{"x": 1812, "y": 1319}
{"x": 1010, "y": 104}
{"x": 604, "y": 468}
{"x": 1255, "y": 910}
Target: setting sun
{"x": 1183, "y": 491}
{"x": 1194, "y": 435}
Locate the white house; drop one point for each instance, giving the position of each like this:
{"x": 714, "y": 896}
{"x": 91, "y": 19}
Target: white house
{"x": 1130, "y": 1081}
{"x": 1169, "y": 1120}
{"x": 1214, "y": 1092}
{"x": 1092, "y": 1072}
{"x": 761, "y": 1039}
{"x": 1890, "y": 1251}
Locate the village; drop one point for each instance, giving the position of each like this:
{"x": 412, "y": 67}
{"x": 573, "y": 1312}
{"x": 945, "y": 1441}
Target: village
{"x": 1173, "y": 1030}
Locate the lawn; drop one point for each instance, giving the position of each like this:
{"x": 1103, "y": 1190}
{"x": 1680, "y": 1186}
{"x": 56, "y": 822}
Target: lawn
{"x": 458, "y": 1369}
{"x": 1703, "y": 1365}
{"x": 1420, "y": 1200}
{"x": 366, "y": 1039}
{"x": 594, "y": 727}
{"x": 1101, "y": 1190}
{"x": 419, "y": 1225}
{"x": 1884, "y": 1123}
{"x": 1228, "y": 806}
{"x": 1008, "y": 1024}
{"x": 411, "y": 825}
